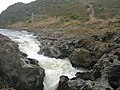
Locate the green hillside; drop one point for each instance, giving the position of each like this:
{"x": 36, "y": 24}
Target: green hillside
{"x": 106, "y": 9}
{"x": 21, "y": 12}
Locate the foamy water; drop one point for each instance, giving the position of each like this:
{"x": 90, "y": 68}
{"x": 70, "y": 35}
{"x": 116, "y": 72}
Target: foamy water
{"x": 54, "y": 68}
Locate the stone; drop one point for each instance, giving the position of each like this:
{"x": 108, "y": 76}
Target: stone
{"x": 92, "y": 75}
{"x": 77, "y": 84}
{"x": 50, "y": 51}
{"x": 114, "y": 77}
{"x": 62, "y": 82}
{"x": 16, "y": 70}
{"x": 82, "y": 58}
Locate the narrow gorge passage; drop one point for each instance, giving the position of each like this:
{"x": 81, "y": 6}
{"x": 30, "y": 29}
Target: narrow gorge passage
{"x": 54, "y": 68}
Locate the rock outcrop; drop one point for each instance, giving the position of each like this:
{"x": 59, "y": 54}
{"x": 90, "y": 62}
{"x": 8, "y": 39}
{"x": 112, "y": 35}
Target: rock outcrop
{"x": 16, "y": 71}
{"x": 98, "y": 53}
{"x": 80, "y": 50}
{"x": 82, "y": 58}
{"x": 105, "y": 72}
{"x": 103, "y": 76}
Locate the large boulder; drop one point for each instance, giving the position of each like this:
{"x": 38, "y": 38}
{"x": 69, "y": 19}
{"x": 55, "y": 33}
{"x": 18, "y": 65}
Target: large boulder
{"x": 62, "y": 82}
{"x": 82, "y": 58}
{"x": 72, "y": 84}
{"x": 50, "y": 51}
{"x": 54, "y": 51}
{"x": 16, "y": 70}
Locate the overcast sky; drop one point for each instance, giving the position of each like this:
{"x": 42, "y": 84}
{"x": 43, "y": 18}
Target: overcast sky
{"x": 5, "y": 3}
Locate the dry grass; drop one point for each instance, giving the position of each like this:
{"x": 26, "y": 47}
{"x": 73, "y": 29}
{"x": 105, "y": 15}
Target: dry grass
{"x": 36, "y": 24}
{"x": 84, "y": 28}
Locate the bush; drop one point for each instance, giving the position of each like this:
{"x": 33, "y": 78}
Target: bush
{"x": 75, "y": 16}
{"x": 117, "y": 20}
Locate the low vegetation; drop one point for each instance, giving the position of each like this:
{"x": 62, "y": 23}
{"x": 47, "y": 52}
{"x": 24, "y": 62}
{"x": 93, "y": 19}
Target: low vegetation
{"x": 65, "y": 15}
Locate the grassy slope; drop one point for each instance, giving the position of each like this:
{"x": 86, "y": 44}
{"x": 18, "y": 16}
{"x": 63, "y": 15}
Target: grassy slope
{"x": 65, "y": 15}
{"x": 23, "y": 11}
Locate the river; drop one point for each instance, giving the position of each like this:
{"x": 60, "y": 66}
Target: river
{"x": 54, "y": 68}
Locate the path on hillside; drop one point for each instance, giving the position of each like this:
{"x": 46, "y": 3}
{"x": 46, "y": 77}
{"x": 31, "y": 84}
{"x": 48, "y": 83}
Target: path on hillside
{"x": 92, "y": 12}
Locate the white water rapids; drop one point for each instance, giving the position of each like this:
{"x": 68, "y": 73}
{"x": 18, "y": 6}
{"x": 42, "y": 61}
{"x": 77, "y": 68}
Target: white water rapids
{"x": 54, "y": 68}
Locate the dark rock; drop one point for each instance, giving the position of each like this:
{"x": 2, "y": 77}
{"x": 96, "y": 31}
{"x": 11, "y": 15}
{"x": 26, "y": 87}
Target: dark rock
{"x": 95, "y": 45}
{"x": 98, "y": 53}
{"x": 97, "y": 78}
{"x": 82, "y": 58}
{"x": 117, "y": 40}
{"x": 84, "y": 75}
{"x": 108, "y": 36}
{"x": 62, "y": 82}
{"x": 108, "y": 89}
{"x": 114, "y": 77}
{"x": 33, "y": 61}
{"x": 24, "y": 54}
{"x": 92, "y": 75}
{"x": 65, "y": 51}
{"x": 50, "y": 51}
{"x": 54, "y": 52}
{"x": 117, "y": 52}
{"x": 30, "y": 79}
{"x": 106, "y": 66}
{"x": 14, "y": 70}
{"x": 95, "y": 74}
{"x": 77, "y": 84}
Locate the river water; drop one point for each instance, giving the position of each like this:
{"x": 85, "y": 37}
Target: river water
{"x": 54, "y": 68}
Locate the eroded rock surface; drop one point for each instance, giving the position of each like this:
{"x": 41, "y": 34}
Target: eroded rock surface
{"x": 98, "y": 53}
{"x": 16, "y": 70}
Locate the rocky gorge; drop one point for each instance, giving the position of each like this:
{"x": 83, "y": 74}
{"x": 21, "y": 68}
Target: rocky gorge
{"x": 99, "y": 54}
{"x": 60, "y": 45}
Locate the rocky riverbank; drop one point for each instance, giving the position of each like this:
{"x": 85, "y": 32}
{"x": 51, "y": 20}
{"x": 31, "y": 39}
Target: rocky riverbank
{"x": 16, "y": 70}
{"x": 98, "y": 53}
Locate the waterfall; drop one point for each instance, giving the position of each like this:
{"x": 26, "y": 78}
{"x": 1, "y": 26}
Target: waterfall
{"x": 54, "y": 68}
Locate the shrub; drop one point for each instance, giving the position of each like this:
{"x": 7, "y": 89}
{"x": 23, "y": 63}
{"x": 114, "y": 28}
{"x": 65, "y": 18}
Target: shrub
{"x": 117, "y": 20}
{"x": 75, "y": 16}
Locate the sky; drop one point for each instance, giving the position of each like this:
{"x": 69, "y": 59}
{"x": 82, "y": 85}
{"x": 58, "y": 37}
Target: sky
{"x": 5, "y": 3}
